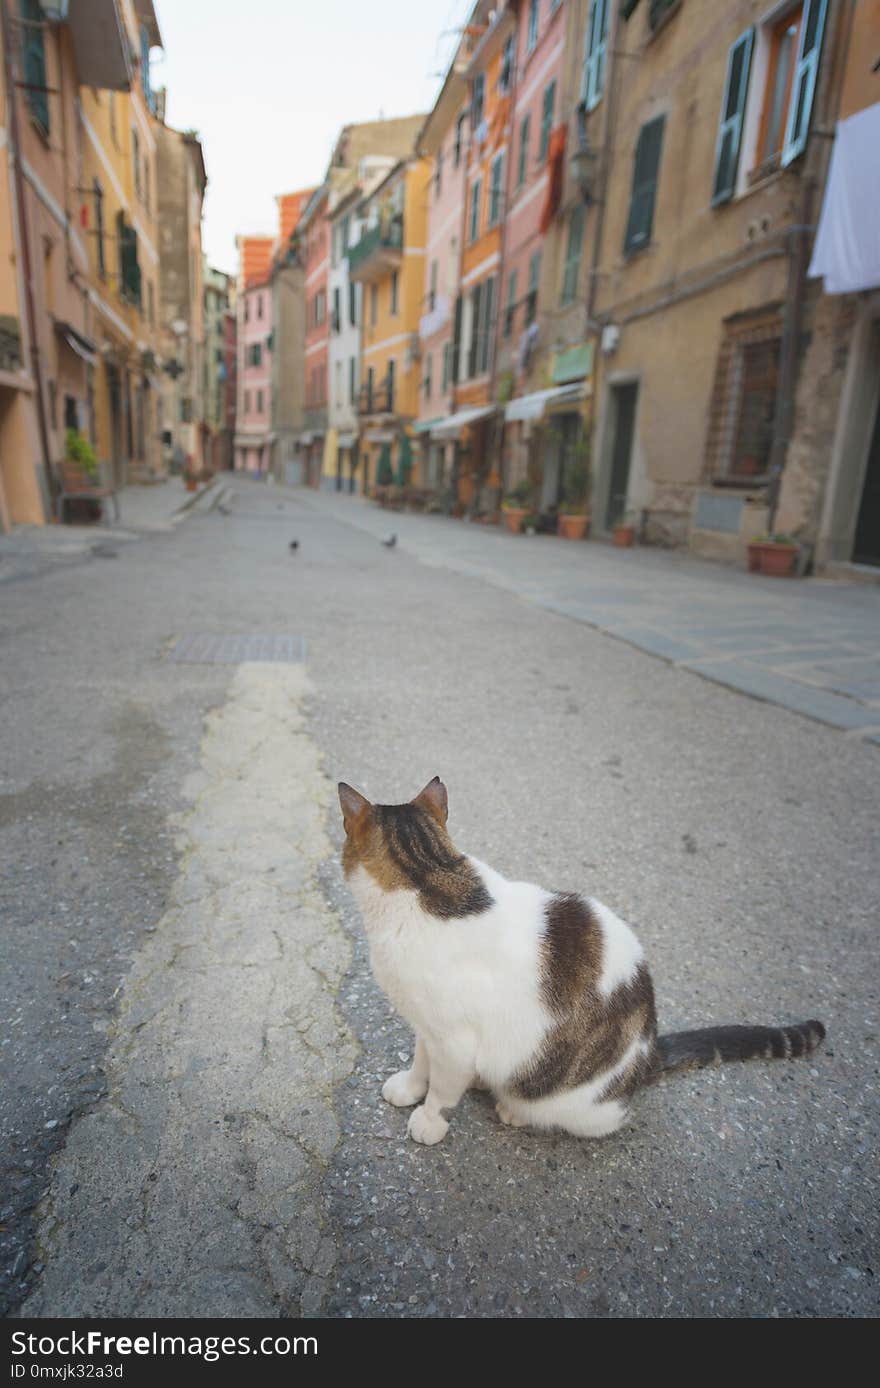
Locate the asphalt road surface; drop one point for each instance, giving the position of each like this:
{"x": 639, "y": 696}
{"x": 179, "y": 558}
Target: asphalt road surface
{"x": 193, "y": 1047}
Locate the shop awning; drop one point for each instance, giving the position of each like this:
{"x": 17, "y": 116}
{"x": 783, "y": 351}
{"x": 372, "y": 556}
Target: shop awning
{"x": 77, "y": 343}
{"x": 305, "y": 439}
{"x": 379, "y": 436}
{"x": 451, "y": 427}
{"x": 533, "y": 406}
{"x": 347, "y": 440}
{"x": 847, "y": 249}
{"x": 424, "y": 426}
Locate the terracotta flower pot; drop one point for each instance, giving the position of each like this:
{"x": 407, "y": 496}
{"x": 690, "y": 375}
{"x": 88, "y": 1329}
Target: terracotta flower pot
{"x": 191, "y": 484}
{"x": 573, "y": 527}
{"x": 624, "y": 536}
{"x": 513, "y": 518}
{"x": 773, "y": 559}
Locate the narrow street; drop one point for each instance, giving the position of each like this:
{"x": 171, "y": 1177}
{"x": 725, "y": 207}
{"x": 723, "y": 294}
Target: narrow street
{"x": 193, "y": 1046}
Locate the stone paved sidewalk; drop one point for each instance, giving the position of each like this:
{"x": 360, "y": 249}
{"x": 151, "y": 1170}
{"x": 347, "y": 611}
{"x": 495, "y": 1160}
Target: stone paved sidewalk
{"x": 810, "y": 645}
{"x": 32, "y": 549}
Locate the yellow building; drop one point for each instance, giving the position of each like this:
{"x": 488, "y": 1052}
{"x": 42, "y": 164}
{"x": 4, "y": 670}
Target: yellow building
{"x": 118, "y": 198}
{"x": 389, "y": 262}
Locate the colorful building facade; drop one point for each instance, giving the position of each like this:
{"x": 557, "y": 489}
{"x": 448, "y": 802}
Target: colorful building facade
{"x": 254, "y": 330}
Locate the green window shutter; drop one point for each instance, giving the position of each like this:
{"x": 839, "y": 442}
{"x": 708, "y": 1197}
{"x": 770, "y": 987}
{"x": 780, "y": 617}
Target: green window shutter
{"x": 523, "y": 151}
{"x": 476, "y": 313}
{"x": 484, "y": 355}
{"x": 475, "y": 210}
{"x": 456, "y": 338}
{"x": 573, "y": 254}
{"x": 547, "y": 120}
{"x": 595, "y": 52}
{"x": 646, "y": 166}
{"x": 510, "y": 312}
{"x": 804, "y": 85}
{"x": 34, "y": 60}
{"x": 733, "y": 105}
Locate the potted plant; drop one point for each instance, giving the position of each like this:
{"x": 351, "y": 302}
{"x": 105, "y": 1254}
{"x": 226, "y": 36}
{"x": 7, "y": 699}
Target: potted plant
{"x": 77, "y": 449}
{"x": 574, "y": 511}
{"x": 623, "y": 534}
{"x": 516, "y": 506}
{"x": 774, "y": 555}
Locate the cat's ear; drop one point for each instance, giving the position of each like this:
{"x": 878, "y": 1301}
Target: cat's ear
{"x": 435, "y": 800}
{"x": 355, "y": 807}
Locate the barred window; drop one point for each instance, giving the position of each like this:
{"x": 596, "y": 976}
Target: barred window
{"x": 744, "y": 401}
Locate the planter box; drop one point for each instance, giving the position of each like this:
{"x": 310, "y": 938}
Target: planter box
{"x": 513, "y": 519}
{"x": 773, "y": 560}
{"x": 624, "y": 536}
{"x": 573, "y": 527}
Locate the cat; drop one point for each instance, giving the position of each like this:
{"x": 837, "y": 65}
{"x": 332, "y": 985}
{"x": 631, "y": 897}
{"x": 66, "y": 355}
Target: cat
{"x": 542, "y": 997}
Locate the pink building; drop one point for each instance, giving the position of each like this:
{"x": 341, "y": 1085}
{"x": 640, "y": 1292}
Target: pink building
{"x": 253, "y": 423}
{"x": 530, "y": 184}
{"x": 315, "y": 229}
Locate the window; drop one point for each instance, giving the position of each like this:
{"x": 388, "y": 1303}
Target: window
{"x": 259, "y": 402}
{"x": 484, "y": 348}
{"x": 352, "y": 303}
{"x": 432, "y": 292}
{"x": 259, "y": 305}
{"x": 593, "y": 79}
{"x": 390, "y": 383}
{"x": 255, "y": 354}
{"x": 136, "y": 161}
{"x": 34, "y": 58}
{"x": 99, "y": 228}
{"x": 447, "y": 353}
{"x": 129, "y": 269}
{"x": 370, "y": 381}
{"x": 374, "y": 304}
{"x": 428, "y": 372}
{"x": 474, "y": 222}
{"x": 547, "y": 106}
{"x": 438, "y": 173}
{"x": 495, "y": 190}
{"x": 505, "y": 80}
{"x": 573, "y": 254}
{"x": 352, "y": 379}
{"x": 532, "y": 296}
{"x": 523, "y": 151}
{"x": 646, "y": 166}
{"x": 733, "y": 106}
{"x": 337, "y": 311}
{"x": 459, "y": 140}
{"x": 744, "y": 402}
{"x": 532, "y": 36}
{"x": 395, "y": 291}
{"x": 795, "y": 48}
{"x": 146, "y": 183}
{"x": 320, "y": 307}
{"x": 146, "y": 85}
{"x": 474, "y": 309}
{"x": 510, "y": 311}
{"x": 478, "y": 94}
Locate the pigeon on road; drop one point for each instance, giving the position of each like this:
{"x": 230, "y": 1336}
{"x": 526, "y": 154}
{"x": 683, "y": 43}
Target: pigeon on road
{"x": 294, "y": 544}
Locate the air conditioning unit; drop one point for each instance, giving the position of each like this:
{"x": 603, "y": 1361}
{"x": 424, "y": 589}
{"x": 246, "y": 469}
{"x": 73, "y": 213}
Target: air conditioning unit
{"x": 610, "y": 338}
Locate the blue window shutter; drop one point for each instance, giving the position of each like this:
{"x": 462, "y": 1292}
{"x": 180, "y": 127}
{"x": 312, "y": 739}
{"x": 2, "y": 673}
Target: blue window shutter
{"x": 594, "y": 58}
{"x": 733, "y": 105}
{"x": 34, "y": 62}
{"x": 804, "y": 85}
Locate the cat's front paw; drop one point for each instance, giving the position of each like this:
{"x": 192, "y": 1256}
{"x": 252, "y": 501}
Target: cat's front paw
{"x": 404, "y": 1089}
{"x": 423, "y": 1128}
{"x": 508, "y": 1115}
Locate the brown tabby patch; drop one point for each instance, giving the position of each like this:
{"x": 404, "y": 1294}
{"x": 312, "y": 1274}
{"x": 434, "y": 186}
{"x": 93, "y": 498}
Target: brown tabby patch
{"x": 592, "y": 1032}
{"x": 405, "y": 847}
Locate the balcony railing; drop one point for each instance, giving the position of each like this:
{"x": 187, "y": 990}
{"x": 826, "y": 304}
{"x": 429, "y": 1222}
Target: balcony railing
{"x": 379, "y": 249}
{"x": 378, "y": 399}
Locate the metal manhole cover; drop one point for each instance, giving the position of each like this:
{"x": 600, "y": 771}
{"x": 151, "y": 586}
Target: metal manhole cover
{"x": 204, "y": 648}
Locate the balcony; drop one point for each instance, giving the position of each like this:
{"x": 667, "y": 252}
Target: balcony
{"x": 378, "y": 251}
{"x": 378, "y": 399}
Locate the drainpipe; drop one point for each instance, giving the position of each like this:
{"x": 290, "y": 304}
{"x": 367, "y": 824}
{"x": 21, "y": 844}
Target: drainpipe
{"x": 20, "y": 191}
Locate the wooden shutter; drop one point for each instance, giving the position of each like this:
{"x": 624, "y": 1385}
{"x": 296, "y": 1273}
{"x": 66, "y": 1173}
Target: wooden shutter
{"x": 456, "y": 338}
{"x": 34, "y": 55}
{"x": 476, "y": 307}
{"x": 733, "y": 105}
{"x": 594, "y": 57}
{"x": 646, "y": 166}
{"x": 804, "y": 85}
{"x": 573, "y": 254}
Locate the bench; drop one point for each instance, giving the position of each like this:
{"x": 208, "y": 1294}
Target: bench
{"x": 76, "y": 484}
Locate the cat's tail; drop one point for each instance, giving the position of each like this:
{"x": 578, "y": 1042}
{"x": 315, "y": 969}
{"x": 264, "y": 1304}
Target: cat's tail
{"x": 686, "y": 1050}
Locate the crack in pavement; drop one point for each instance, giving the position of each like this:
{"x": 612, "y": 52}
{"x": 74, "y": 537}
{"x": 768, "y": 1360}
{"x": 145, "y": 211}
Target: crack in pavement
{"x": 194, "y": 1187}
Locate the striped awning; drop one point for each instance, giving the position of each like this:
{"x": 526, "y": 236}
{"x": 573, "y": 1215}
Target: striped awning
{"x": 533, "y": 406}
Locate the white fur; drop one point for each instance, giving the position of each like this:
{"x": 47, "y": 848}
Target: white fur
{"x": 471, "y": 989}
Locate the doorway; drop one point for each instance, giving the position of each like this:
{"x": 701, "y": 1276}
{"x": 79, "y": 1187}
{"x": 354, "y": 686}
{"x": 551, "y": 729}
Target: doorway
{"x": 866, "y": 549}
{"x": 623, "y": 401}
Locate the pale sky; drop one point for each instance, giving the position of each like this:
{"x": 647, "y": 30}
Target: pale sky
{"x": 269, "y": 83}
